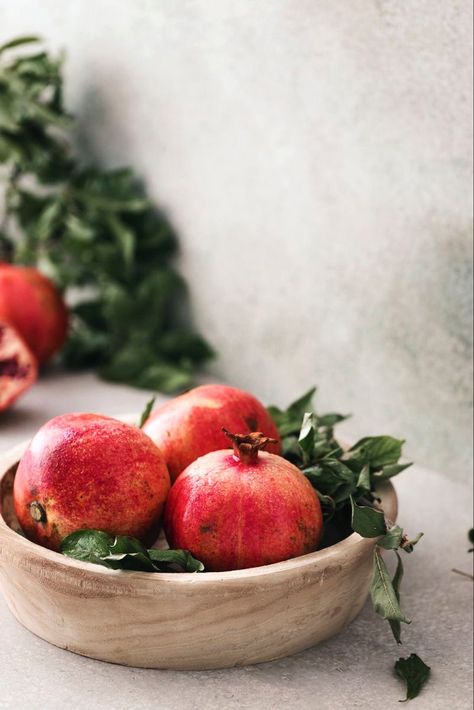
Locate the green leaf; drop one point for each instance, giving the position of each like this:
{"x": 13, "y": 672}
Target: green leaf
{"x": 128, "y": 553}
{"x": 366, "y": 521}
{"x": 132, "y": 561}
{"x": 307, "y": 434}
{"x": 302, "y": 404}
{"x": 109, "y": 203}
{"x": 396, "y": 583}
{"x": 176, "y": 560}
{"x": 377, "y": 451}
{"x": 28, "y": 39}
{"x": 332, "y": 478}
{"x": 383, "y": 594}
{"x": 87, "y": 545}
{"x": 330, "y": 420}
{"x": 392, "y": 539}
{"x": 414, "y": 672}
{"x": 390, "y": 471}
{"x": 48, "y": 219}
{"x": 289, "y": 421}
{"x": 146, "y": 412}
{"x": 364, "y": 482}
{"x": 125, "y": 240}
{"x": 78, "y": 230}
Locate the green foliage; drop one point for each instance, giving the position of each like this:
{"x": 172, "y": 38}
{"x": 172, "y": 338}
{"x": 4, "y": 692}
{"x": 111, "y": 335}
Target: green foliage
{"x": 346, "y": 482}
{"x": 126, "y": 553}
{"x": 92, "y": 231}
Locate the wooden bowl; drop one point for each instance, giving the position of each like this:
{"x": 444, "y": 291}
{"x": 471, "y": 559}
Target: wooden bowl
{"x": 182, "y": 621}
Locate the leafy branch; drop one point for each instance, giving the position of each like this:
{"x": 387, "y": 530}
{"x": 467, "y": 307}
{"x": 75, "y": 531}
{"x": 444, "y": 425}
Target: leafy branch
{"x": 346, "y": 484}
{"x": 94, "y": 232}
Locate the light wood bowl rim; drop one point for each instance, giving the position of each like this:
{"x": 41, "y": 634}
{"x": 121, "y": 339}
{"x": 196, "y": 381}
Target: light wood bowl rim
{"x": 35, "y": 552}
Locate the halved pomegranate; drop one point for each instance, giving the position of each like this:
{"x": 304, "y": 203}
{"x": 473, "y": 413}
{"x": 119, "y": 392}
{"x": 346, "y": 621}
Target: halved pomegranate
{"x": 18, "y": 366}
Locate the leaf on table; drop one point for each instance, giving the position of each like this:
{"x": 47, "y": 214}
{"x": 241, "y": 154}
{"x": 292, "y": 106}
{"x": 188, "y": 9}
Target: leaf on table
{"x": 414, "y": 672}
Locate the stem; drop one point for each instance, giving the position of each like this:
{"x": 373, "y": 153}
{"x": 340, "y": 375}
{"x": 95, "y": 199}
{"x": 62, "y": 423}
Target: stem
{"x": 247, "y": 446}
{"x": 464, "y": 574}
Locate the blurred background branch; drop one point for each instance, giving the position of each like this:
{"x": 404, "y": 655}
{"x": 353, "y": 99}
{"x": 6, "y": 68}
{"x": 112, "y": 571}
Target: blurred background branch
{"x": 93, "y": 232}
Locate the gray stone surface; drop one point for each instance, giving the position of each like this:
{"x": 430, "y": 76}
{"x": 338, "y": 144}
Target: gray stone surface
{"x": 316, "y": 158}
{"x": 353, "y": 670}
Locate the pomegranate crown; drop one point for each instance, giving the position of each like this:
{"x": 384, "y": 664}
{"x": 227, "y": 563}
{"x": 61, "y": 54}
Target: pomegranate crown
{"x": 247, "y": 446}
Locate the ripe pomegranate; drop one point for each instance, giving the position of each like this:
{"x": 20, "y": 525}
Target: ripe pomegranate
{"x": 243, "y": 509}
{"x": 30, "y": 302}
{"x": 190, "y": 426}
{"x": 18, "y": 367}
{"x": 90, "y": 471}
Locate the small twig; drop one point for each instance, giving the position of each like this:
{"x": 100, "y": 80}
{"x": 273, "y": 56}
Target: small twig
{"x": 464, "y": 574}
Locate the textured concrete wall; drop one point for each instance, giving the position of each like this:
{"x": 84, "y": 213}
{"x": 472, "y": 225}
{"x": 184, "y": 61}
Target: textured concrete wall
{"x": 316, "y": 158}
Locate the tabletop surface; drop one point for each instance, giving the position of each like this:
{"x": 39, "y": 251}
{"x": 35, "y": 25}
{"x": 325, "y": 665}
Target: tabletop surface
{"x": 353, "y": 670}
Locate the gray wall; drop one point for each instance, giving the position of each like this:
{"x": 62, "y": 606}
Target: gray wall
{"x": 316, "y": 158}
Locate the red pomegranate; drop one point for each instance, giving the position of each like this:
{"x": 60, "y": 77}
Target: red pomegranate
{"x": 30, "y": 302}
{"x": 18, "y": 367}
{"x": 89, "y": 471}
{"x": 243, "y": 509}
{"x": 190, "y": 426}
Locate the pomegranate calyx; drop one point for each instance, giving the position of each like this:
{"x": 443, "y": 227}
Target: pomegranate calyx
{"x": 37, "y": 512}
{"x": 247, "y": 446}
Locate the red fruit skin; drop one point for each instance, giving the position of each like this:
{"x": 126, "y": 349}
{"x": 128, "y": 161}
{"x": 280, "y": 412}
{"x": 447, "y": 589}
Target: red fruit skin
{"x": 190, "y": 425}
{"x": 233, "y": 515}
{"x": 18, "y": 366}
{"x": 90, "y": 471}
{"x": 30, "y": 302}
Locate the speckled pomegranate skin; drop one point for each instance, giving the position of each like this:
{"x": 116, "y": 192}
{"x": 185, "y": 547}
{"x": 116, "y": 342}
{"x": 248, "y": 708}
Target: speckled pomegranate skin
{"x": 234, "y": 515}
{"x": 190, "y": 425}
{"x": 30, "y": 302}
{"x": 90, "y": 471}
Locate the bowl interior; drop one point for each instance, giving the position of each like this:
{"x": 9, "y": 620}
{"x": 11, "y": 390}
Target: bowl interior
{"x": 7, "y": 510}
